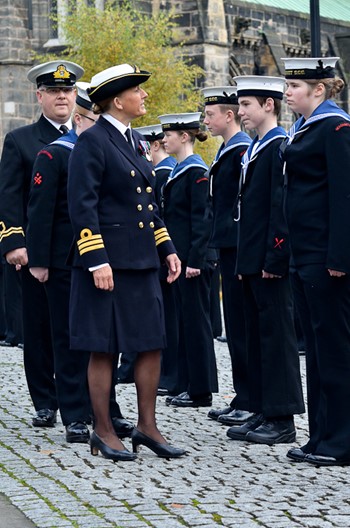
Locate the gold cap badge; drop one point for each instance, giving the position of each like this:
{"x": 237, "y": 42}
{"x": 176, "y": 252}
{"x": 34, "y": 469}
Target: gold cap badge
{"x": 61, "y": 72}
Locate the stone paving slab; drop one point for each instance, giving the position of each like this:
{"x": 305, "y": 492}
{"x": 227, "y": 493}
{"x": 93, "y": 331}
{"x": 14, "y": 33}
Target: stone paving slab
{"x": 221, "y": 483}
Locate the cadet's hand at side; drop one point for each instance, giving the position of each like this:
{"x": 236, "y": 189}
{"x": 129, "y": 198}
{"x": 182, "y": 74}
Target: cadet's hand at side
{"x": 335, "y": 273}
{"x": 42, "y": 274}
{"x": 192, "y": 272}
{"x": 103, "y": 278}
{"x": 266, "y": 275}
{"x": 174, "y": 267}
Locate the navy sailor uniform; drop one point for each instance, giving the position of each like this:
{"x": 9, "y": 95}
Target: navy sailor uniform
{"x": 317, "y": 157}
{"x": 169, "y": 378}
{"x": 273, "y": 362}
{"x": 162, "y": 170}
{"x": 224, "y": 178}
{"x": 188, "y": 218}
{"x": 115, "y": 220}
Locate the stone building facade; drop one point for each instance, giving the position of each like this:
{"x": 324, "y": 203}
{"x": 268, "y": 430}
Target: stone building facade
{"x": 225, "y": 37}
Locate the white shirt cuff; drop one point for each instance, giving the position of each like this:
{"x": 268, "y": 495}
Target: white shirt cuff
{"x": 94, "y": 268}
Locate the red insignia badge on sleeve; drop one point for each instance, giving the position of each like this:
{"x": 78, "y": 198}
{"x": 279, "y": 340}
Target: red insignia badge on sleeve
{"x": 342, "y": 125}
{"x": 38, "y": 179}
{"x": 278, "y": 243}
{"x": 201, "y": 179}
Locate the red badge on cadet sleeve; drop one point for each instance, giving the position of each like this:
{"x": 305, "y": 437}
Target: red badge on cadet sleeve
{"x": 38, "y": 179}
{"x": 342, "y": 125}
{"x": 201, "y": 179}
{"x": 278, "y": 243}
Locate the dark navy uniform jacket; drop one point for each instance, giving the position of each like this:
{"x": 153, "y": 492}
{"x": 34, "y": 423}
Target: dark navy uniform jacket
{"x": 19, "y": 152}
{"x": 49, "y": 231}
{"x": 224, "y": 178}
{"x": 162, "y": 170}
{"x": 187, "y": 215}
{"x": 263, "y": 239}
{"x": 111, "y": 202}
{"x": 318, "y": 196}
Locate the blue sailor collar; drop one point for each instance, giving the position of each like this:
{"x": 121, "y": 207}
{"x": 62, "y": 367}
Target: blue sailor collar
{"x": 190, "y": 162}
{"x": 67, "y": 140}
{"x": 238, "y": 140}
{"x": 251, "y": 154}
{"x": 257, "y": 145}
{"x": 166, "y": 163}
{"x": 326, "y": 109}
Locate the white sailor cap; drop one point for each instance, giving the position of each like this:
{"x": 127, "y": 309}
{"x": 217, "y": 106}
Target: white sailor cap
{"x": 220, "y": 95}
{"x": 55, "y": 73}
{"x": 110, "y": 82}
{"x": 310, "y": 67}
{"x": 260, "y": 85}
{"x": 83, "y": 99}
{"x": 180, "y": 121}
{"x": 151, "y": 132}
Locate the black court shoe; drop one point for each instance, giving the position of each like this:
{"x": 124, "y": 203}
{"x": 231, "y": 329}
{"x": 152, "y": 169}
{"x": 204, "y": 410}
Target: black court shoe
{"x": 97, "y": 445}
{"x": 161, "y": 450}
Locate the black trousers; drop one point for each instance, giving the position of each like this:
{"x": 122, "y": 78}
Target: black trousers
{"x": 2, "y": 303}
{"x": 323, "y": 303}
{"x": 174, "y": 375}
{"x": 70, "y": 365}
{"x": 273, "y": 360}
{"x": 38, "y": 352}
{"x": 215, "y": 304}
{"x": 13, "y": 304}
{"x": 194, "y": 306}
{"x": 232, "y": 299}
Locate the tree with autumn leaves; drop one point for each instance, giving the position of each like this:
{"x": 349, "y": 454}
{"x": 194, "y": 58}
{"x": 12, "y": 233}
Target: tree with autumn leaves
{"x": 98, "y": 39}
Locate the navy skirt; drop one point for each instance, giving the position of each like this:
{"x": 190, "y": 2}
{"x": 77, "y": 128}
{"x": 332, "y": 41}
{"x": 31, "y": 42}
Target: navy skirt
{"x": 128, "y": 320}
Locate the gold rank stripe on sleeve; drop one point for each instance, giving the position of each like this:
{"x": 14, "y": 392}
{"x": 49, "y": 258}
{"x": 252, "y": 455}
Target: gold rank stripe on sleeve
{"x": 161, "y": 235}
{"x": 89, "y": 242}
{"x": 4, "y": 233}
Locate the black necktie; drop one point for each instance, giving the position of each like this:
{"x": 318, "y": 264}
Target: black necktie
{"x": 129, "y": 138}
{"x": 64, "y": 129}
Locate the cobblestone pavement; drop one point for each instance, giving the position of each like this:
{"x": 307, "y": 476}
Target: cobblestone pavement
{"x": 221, "y": 483}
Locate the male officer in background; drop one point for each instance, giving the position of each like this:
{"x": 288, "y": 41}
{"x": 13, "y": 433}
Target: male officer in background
{"x": 49, "y": 238}
{"x": 56, "y": 94}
